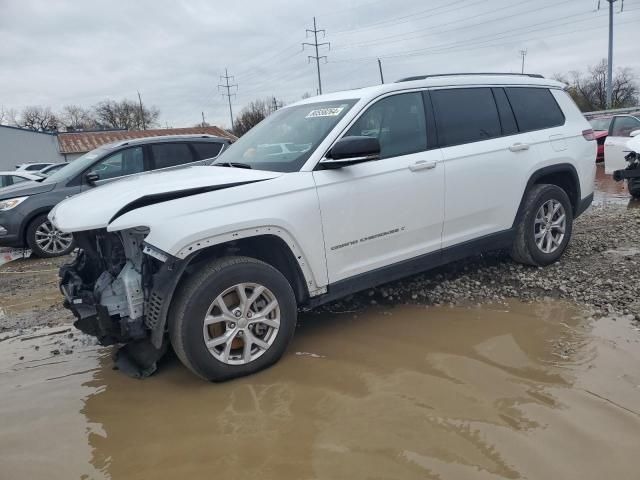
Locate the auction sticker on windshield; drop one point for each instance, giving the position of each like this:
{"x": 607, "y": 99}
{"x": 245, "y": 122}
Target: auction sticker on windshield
{"x": 325, "y": 112}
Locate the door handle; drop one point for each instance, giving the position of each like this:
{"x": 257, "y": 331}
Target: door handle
{"x": 422, "y": 165}
{"x": 518, "y": 147}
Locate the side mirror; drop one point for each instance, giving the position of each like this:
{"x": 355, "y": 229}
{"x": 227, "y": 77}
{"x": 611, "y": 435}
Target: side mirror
{"x": 91, "y": 177}
{"x": 634, "y": 133}
{"x": 352, "y": 150}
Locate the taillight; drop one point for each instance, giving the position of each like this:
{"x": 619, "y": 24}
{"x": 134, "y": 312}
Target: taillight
{"x": 588, "y": 134}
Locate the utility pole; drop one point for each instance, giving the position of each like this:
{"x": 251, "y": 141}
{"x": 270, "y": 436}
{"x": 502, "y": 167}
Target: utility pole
{"x": 315, "y": 44}
{"x": 380, "y": 68}
{"x": 610, "y": 56}
{"x": 203, "y": 122}
{"x": 275, "y": 105}
{"x": 144, "y": 125}
{"x": 227, "y": 86}
{"x": 524, "y": 54}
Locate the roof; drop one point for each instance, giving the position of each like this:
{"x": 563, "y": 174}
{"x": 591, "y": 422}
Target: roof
{"x": 450, "y": 80}
{"x": 81, "y": 142}
{"x": 28, "y": 130}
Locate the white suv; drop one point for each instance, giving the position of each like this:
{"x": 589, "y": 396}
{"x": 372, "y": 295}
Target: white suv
{"x": 384, "y": 182}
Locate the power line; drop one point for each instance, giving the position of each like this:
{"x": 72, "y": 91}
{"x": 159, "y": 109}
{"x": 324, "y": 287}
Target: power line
{"x": 228, "y": 88}
{"x": 315, "y": 44}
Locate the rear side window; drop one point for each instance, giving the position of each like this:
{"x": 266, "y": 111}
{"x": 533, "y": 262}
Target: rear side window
{"x": 206, "y": 150}
{"x": 170, "y": 155}
{"x": 534, "y": 108}
{"x": 465, "y": 115}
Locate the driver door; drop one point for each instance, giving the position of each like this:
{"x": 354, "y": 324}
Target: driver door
{"x": 381, "y": 212}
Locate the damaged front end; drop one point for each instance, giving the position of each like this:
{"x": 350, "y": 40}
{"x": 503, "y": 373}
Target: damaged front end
{"x": 108, "y": 286}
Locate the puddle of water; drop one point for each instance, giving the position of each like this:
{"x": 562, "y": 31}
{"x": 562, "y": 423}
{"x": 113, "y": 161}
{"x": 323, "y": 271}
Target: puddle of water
{"x": 524, "y": 391}
{"x": 608, "y": 191}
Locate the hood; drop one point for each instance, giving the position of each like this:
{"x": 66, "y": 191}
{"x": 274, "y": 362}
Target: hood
{"x": 97, "y": 207}
{"x": 24, "y": 189}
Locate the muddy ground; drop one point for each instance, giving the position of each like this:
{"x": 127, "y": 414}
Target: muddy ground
{"x": 483, "y": 369}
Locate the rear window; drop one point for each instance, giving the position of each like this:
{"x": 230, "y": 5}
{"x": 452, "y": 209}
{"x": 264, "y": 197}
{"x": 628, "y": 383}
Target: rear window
{"x": 465, "y": 115}
{"x": 534, "y": 108}
{"x": 206, "y": 150}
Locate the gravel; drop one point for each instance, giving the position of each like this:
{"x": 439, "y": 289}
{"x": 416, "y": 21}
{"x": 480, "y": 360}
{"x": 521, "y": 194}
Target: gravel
{"x": 600, "y": 270}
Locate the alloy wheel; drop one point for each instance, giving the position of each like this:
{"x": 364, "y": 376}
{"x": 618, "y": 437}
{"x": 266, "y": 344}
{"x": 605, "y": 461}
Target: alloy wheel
{"x": 549, "y": 226}
{"x": 52, "y": 241}
{"x": 241, "y": 323}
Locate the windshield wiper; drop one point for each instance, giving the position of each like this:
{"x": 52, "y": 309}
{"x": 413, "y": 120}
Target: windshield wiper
{"x": 232, "y": 164}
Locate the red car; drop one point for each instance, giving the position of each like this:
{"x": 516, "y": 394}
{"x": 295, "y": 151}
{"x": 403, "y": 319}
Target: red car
{"x": 600, "y": 127}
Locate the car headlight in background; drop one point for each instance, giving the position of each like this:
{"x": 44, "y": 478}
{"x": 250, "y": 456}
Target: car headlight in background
{"x": 11, "y": 203}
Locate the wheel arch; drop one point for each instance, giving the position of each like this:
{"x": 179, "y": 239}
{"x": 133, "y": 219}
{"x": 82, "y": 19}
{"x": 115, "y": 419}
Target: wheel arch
{"x": 24, "y": 227}
{"x": 563, "y": 175}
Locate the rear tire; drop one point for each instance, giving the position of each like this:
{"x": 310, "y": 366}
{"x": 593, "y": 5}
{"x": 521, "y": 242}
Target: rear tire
{"x": 545, "y": 226}
{"x": 47, "y": 242}
{"x": 217, "y": 334}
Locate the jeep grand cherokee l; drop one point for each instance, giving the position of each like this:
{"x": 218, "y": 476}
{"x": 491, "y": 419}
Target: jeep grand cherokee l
{"x": 24, "y": 207}
{"x": 384, "y": 182}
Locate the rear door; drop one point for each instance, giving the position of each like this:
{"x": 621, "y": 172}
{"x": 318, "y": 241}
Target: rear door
{"x": 169, "y": 156}
{"x": 485, "y": 158}
{"x": 615, "y": 146}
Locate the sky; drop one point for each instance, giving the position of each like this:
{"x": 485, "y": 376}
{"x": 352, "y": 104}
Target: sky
{"x": 55, "y": 53}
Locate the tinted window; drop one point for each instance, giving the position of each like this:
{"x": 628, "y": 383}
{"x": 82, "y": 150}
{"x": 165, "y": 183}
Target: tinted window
{"x": 124, "y": 162}
{"x": 4, "y": 181}
{"x": 465, "y": 115}
{"x": 170, "y": 154}
{"x": 36, "y": 166}
{"x": 207, "y": 149}
{"x": 507, "y": 119}
{"x": 623, "y": 126}
{"x": 17, "y": 179}
{"x": 397, "y": 122}
{"x": 535, "y": 108}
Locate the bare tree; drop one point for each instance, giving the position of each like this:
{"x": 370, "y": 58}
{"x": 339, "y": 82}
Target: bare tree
{"x": 38, "y": 118}
{"x": 589, "y": 90}
{"x": 253, "y": 114}
{"x": 125, "y": 114}
{"x": 75, "y": 117}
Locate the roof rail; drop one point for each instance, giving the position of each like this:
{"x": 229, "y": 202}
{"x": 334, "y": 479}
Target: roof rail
{"x": 423, "y": 77}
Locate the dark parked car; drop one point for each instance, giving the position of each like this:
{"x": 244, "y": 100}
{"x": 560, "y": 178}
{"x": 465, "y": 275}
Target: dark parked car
{"x": 24, "y": 207}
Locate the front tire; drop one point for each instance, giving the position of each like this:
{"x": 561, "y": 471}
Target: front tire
{"x": 45, "y": 241}
{"x": 545, "y": 227}
{"x": 633, "y": 185}
{"x": 233, "y": 317}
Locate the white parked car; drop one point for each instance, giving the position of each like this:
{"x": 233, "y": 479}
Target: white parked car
{"x": 621, "y": 129}
{"x": 32, "y": 167}
{"x": 12, "y": 178}
{"x": 400, "y": 178}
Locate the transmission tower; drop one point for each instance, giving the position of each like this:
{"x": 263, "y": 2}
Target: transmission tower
{"x": 227, "y": 87}
{"x": 316, "y": 45}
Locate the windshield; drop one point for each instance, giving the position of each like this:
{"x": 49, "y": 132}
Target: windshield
{"x": 600, "y": 123}
{"x": 76, "y": 166}
{"x": 285, "y": 140}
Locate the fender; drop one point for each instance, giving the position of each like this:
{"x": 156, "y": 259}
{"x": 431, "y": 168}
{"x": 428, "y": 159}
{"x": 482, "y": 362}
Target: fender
{"x": 544, "y": 171}
{"x": 166, "y": 280}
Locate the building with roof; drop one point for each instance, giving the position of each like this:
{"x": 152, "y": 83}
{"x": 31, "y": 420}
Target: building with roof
{"x": 19, "y": 145}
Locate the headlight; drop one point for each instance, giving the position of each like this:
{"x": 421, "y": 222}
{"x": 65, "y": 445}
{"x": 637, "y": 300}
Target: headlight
{"x": 11, "y": 203}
